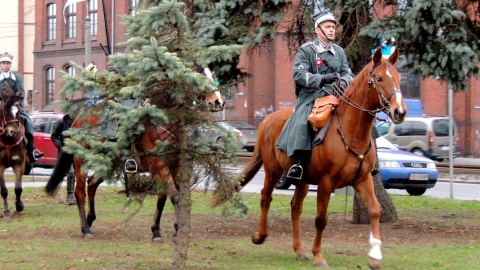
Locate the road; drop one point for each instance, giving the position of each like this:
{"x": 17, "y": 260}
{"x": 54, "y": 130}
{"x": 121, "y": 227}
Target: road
{"x": 461, "y": 191}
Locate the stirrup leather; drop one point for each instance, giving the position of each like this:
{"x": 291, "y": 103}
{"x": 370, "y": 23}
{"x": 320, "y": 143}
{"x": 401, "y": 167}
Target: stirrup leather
{"x": 295, "y": 167}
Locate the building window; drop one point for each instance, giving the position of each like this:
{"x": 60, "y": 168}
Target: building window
{"x": 71, "y": 19}
{"x": 132, "y": 9}
{"x": 70, "y": 71}
{"x": 409, "y": 82}
{"x": 51, "y": 21}
{"x": 49, "y": 84}
{"x": 93, "y": 15}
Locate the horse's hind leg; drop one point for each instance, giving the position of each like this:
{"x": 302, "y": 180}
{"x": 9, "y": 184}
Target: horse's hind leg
{"x": 366, "y": 192}
{"x": 271, "y": 179}
{"x": 166, "y": 188}
{"x": 296, "y": 206}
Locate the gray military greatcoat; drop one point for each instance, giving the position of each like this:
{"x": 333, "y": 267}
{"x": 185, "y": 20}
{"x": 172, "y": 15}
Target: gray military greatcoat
{"x": 311, "y": 64}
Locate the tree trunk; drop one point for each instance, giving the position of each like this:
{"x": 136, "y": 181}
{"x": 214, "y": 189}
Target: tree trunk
{"x": 183, "y": 181}
{"x": 388, "y": 212}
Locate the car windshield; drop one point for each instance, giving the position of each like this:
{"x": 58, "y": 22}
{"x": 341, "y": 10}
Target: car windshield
{"x": 383, "y": 143}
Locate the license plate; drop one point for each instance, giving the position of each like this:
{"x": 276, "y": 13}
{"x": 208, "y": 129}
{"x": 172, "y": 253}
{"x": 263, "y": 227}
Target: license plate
{"x": 418, "y": 176}
{"x": 445, "y": 147}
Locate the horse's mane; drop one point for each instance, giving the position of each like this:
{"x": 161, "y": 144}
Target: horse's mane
{"x": 9, "y": 98}
{"x": 359, "y": 81}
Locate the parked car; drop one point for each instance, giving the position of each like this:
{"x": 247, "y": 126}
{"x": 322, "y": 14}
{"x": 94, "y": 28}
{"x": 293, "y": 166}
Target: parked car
{"x": 404, "y": 170}
{"x": 44, "y": 124}
{"x": 214, "y": 134}
{"x": 240, "y": 136}
{"x": 249, "y": 131}
{"x": 399, "y": 169}
{"x": 422, "y": 135}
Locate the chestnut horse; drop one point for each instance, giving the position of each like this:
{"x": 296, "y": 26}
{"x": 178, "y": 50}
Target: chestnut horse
{"x": 346, "y": 157}
{"x": 12, "y": 146}
{"x": 163, "y": 170}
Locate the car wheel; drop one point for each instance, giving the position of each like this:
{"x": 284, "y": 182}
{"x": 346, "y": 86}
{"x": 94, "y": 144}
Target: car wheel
{"x": 418, "y": 151}
{"x": 416, "y": 191}
{"x": 28, "y": 168}
{"x": 284, "y": 183}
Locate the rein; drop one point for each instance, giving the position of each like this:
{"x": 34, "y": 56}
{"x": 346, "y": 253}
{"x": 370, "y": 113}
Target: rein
{"x": 385, "y": 107}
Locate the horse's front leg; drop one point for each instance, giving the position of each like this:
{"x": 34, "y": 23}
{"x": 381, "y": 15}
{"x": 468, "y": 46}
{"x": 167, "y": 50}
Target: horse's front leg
{"x": 80, "y": 197}
{"x": 18, "y": 170}
{"x": 296, "y": 210}
{"x": 323, "y": 198}
{"x": 92, "y": 190}
{"x": 366, "y": 192}
{"x": 166, "y": 189}
{"x": 271, "y": 179}
{"x": 4, "y": 192}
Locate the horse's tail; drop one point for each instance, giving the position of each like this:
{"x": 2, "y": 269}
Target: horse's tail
{"x": 64, "y": 162}
{"x": 241, "y": 180}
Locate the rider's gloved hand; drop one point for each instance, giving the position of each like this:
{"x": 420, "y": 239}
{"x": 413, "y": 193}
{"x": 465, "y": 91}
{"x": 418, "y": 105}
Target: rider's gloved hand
{"x": 343, "y": 84}
{"x": 329, "y": 78}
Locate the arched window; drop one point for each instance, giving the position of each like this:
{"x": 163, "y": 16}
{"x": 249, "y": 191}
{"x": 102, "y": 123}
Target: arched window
{"x": 49, "y": 84}
{"x": 93, "y": 15}
{"x": 71, "y": 19}
{"x": 70, "y": 70}
{"x": 51, "y": 21}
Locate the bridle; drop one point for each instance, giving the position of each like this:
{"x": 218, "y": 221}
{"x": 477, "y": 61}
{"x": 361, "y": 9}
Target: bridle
{"x": 384, "y": 101}
{"x": 4, "y": 129}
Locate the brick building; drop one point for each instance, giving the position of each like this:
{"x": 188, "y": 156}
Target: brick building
{"x": 271, "y": 88}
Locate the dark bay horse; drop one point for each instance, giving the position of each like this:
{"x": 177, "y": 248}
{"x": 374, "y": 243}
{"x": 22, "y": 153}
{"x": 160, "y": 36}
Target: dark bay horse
{"x": 346, "y": 157}
{"x": 12, "y": 146}
{"x": 163, "y": 170}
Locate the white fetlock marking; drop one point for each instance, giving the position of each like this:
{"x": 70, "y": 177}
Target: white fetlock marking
{"x": 375, "y": 251}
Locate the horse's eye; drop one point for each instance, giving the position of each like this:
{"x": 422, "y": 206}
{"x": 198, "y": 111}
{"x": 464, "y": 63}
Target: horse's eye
{"x": 379, "y": 79}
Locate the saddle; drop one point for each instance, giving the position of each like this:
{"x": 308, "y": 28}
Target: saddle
{"x": 109, "y": 124}
{"x": 321, "y": 116}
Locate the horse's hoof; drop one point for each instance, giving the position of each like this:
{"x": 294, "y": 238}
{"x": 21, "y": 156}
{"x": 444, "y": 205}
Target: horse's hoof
{"x": 258, "y": 240}
{"x": 321, "y": 265}
{"x": 19, "y": 207}
{"x": 303, "y": 257}
{"x": 88, "y": 235}
{"x": 157, "y": 240}
{"x": 374, "y": 263}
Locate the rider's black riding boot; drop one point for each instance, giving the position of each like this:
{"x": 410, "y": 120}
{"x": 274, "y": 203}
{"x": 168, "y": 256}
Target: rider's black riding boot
{"x": 32, "y": 153}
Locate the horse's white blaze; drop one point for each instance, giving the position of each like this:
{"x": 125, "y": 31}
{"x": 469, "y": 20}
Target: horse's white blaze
{"x": 16, "y": 157}
{"x": 219, "y": 96}
{"x": 14, "y": 110}
{"x": 399, "y": 98}
{"x": 375, "y": 245}
{"x": 208, "y": 73}
{"x": 389, "y": 74}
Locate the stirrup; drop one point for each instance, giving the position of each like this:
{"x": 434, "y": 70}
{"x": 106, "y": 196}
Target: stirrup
{"x": 294, "y": 169}
{"x": 130, "y": 166}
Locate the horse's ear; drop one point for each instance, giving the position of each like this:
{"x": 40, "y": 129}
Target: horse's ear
{"x": 394, "y": 57}
{"x": 377, "y": 56}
